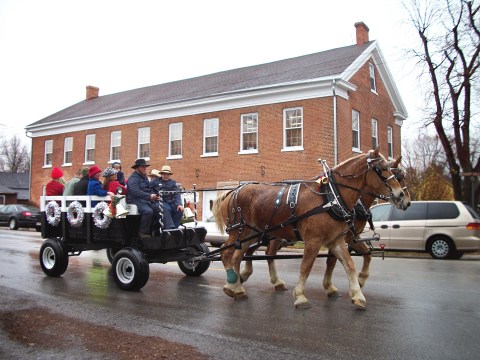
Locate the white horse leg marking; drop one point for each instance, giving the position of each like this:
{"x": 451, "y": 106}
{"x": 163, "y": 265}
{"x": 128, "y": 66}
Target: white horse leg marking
{"x": 363, "y": 275}
{"x": 309, "y": 257}
{"x": 341, "y": 252}
{"x": 247, "y": 271}
{"x": 367, "y": 258}
{"x": 301, "y": 301}
{"x": 274, "y": 279}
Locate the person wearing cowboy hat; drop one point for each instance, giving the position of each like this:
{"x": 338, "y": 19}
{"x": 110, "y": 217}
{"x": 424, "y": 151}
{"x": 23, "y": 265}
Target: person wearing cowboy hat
{"x": 154, "y": 180}
{"x": 172, "y": 201}
{"x": 140, "y": 193}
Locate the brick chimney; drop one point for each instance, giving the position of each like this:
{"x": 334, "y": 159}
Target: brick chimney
{"x": 362, "y": 33}
{"x": 92, "y": 92}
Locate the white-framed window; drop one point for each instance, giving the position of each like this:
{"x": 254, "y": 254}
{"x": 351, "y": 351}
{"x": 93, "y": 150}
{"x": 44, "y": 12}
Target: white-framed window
{"x": 390, "y": 141}
{"x": 293, "y": 129}
{"x": 48, "y": 160}
{"x": 374, "y": 133}
{"x": 175, "y": 131}
{"x": 355, "y": 130}
{"x": 144, "y": 143}
{"x": 115, "y": 144}
{"x": 210, "y": 137}
{"x": 373, "y": 84}
{"x": 90, "y": 149}
{"x": 249, "y": 133}
{"x": 67, "y": 151}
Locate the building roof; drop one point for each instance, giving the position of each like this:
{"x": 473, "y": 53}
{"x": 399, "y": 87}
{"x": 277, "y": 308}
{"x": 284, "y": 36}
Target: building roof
{"x": 12, "y": 183}
{"x": 340, "y": 64}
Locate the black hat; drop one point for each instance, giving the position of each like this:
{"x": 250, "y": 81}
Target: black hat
{"x": 139, "y": 162}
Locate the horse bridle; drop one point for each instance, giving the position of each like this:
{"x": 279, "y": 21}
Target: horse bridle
{"x": 378, "y": 170}
{"x": 399, "y": 175}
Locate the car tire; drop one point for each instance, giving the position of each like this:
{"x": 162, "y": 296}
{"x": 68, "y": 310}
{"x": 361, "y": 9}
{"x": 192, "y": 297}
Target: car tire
{"x": 130, "y": 269}
{"x": 53, "y": 257}
{"x": 199, "y": 268}
{"x": 457, "y": 255}
{"x": 441, "y": 247}
{"x": 13, "y": 224}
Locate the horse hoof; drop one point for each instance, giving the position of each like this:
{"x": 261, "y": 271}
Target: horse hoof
{"x": 360, "y": 303}
{"x": 303, "y": 306}
{"x": 281, "y": 287}
{"x": 301, "y": 302}
{"x": 334, "y": 295}
{"x": 229, "y": 292}
{"x": 240, "y": 296}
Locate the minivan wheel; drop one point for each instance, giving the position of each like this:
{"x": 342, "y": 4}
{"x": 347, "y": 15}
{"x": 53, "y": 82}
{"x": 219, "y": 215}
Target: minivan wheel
{"x": 441, "y": 247}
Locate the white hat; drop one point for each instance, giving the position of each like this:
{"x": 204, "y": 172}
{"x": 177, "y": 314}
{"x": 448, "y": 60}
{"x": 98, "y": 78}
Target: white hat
{"x": 166, "y": 170}
{"x": 155, "y": 173}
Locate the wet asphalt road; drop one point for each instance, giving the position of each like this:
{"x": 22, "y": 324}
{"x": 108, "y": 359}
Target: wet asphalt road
{"x": 416, "y": 308}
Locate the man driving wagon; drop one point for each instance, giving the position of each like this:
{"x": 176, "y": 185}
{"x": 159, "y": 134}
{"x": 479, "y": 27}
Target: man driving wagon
{"x": 145, "y": 195}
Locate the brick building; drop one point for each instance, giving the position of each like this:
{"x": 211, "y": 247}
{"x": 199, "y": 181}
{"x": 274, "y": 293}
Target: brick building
{"x": 266, "y": 122}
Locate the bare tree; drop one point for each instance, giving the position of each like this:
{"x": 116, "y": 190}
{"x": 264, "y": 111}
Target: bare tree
{"x": 449, "y": 34}
{"x": 14, "y": 156}
{"x": 427, "y": 173}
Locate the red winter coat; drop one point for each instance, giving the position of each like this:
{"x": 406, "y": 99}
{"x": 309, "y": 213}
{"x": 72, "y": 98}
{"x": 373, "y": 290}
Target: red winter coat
{"x": 54, "y": 188}
{"x": 113, "y": 185}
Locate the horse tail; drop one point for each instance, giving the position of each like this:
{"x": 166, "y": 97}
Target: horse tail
{"x": 219, "y": 215}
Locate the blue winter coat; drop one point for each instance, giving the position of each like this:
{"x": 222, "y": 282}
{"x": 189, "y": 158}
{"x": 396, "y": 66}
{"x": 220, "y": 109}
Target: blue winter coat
{"x": 174, "y": 199}
{"x": 138, "y": 190}
{"x": 95, "y": 187}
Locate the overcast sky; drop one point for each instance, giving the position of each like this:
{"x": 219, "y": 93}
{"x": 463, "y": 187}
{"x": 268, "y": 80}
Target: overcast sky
{"x": 51, "y": 49}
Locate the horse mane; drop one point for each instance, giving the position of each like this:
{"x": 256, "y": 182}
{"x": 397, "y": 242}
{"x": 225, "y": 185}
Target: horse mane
{"x": 218, "y": 215}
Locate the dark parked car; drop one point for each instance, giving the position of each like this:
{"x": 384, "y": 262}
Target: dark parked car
{"x": 20, "y": 216}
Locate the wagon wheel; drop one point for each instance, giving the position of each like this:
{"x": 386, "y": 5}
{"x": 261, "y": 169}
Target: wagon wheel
{"x": 200, "y": 267}
{"x": 130, "y": 269}
{"x": 53, "y": 257}
{"x": 111, "y": 253}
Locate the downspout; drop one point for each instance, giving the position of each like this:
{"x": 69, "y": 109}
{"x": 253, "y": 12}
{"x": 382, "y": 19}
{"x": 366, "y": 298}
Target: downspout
{"x": 335, "y": 148}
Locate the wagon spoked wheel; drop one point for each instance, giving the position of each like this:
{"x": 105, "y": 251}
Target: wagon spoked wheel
{"x": 130, "y": 269}
{"x": 13, "y": 224}
{"x": 53, "y": 257}
{"x": 111, "y": 252}
{"x": 199, "y": 268}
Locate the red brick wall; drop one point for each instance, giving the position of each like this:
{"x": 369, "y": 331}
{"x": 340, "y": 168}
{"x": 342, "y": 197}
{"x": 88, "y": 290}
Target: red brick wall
{"x": 377, "y": 106}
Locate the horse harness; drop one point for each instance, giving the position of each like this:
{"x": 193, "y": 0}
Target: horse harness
{"x": 236, "y": 221}
{"x": 333, "y": 204}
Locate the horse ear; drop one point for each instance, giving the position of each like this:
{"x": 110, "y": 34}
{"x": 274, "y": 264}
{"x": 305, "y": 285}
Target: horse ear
{"x": 376, "y": 151}
{"x": 397, "y": 161}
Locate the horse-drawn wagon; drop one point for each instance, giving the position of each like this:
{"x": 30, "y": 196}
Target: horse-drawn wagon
{"x": 320, "y": 212}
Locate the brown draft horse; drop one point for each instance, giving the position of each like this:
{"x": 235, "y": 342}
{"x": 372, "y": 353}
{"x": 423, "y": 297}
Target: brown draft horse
{"x": 360, "y": 247}
{"x": 360, "y": 223}
{"x": 249, "y": 211}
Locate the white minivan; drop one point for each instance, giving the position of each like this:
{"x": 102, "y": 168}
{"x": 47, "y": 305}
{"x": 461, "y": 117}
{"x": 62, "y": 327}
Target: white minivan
{"x": 445, "y": 229}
